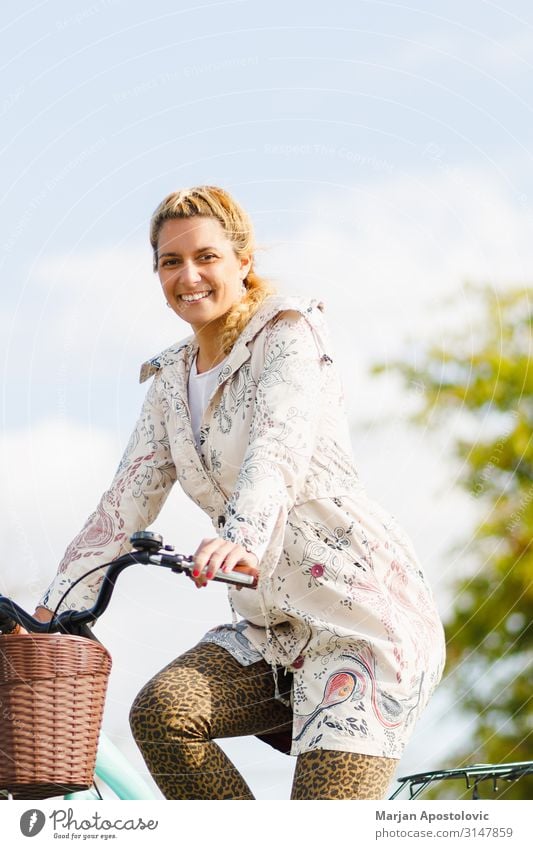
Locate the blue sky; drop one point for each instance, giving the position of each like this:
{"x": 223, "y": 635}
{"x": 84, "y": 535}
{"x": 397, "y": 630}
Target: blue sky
{"x": 295, "y": 108}
{"x": 384, "y": 153}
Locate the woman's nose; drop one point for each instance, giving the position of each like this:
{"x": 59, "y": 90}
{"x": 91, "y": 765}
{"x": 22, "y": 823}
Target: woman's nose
{"x": 190, "y": 272}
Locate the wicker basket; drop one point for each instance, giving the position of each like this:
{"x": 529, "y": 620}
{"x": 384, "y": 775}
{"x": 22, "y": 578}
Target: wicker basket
{"x": 52, "y": 694}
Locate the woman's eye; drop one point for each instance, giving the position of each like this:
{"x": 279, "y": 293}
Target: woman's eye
{"x": 172, "y": 261}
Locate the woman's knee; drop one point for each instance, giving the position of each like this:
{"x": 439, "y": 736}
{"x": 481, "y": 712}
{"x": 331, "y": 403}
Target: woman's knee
{"x": 170, "y": 704}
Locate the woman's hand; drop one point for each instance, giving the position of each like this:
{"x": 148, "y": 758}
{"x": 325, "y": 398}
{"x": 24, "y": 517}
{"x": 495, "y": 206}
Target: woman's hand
{"x": 214, "y": 554}
{"x": 42, "y": 614}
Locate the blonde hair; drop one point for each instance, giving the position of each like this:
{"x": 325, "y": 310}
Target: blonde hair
{"x": 214, "y": 202}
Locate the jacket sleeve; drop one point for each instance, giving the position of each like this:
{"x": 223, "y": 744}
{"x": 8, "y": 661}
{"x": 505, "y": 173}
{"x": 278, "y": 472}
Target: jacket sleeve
{"x": 282, "y": 438}
{"x": 137, "y": 493}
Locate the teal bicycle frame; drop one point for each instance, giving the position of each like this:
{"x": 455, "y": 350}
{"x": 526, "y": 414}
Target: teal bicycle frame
{"x": 115, "y": 770}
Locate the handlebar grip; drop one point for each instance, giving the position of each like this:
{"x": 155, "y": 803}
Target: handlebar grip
{"x": 241, "y": 579}
{"x": 178, "y": 563}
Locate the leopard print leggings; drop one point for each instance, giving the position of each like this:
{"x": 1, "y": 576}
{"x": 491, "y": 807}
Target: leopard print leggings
{"x": 206, "y": 694}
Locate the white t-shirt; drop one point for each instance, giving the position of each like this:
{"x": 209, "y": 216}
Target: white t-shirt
{"x": 200, "y": 388}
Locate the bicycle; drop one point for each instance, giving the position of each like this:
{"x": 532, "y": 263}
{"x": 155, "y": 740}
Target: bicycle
{"x": 112, "y": 767}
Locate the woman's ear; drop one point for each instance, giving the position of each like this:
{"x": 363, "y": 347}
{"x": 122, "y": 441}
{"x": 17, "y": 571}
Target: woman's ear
{"x": 246, "y": 264}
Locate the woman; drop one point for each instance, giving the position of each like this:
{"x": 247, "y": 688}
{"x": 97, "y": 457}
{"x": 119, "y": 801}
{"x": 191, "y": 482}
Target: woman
{"x": 341, "y": 644}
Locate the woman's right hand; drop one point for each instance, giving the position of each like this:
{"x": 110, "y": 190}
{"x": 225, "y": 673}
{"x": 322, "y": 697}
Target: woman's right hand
{"x": 216, "y": 553}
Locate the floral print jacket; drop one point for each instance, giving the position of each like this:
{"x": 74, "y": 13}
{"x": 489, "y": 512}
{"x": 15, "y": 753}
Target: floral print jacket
{"x": 275, "y": 473}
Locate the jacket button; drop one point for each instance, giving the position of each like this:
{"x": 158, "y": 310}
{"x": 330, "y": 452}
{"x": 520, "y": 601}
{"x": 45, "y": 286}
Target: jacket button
{"x": 298, "y": 662}
{"x": 317, "y": 570}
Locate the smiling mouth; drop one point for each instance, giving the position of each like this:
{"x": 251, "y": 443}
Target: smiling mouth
{"x": 191, "y": 299}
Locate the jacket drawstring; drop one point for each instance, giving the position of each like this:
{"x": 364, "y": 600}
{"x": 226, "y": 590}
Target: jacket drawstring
{"x": 270, "y": 641}
{"x": 234, "y": 620}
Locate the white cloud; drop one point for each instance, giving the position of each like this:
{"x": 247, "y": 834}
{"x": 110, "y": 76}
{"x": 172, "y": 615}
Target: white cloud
{"x": 57, "y": 471}
{"x": 106, "y": 305}
{"x": 383, "y": 254}
{"x": 386, "y": 257}
{"x": 54, "y": 472}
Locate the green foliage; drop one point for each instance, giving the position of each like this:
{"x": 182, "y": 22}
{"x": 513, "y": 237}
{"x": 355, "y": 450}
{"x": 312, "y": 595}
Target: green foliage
{"x": 484, "y": 376}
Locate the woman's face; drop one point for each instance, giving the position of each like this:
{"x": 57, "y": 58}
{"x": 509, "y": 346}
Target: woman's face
{"x": 199, "y": 271}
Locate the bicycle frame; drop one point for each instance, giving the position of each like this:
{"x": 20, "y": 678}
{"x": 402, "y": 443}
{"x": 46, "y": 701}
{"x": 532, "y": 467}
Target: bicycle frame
{"x": 115, "y": 770}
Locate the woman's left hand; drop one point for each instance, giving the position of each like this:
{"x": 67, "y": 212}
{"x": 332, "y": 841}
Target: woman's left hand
{"x": 214, "y": 554}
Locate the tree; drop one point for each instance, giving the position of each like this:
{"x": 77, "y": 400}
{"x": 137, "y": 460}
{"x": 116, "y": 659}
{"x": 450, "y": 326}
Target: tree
{"x": 487, "y": 377}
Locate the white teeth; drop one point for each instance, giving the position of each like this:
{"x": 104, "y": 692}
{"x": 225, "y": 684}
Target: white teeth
{"x": 197, "y": 297}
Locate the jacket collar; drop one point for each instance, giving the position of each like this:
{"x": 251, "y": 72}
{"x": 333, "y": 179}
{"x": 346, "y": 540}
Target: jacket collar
{"x": 185, "y": 351}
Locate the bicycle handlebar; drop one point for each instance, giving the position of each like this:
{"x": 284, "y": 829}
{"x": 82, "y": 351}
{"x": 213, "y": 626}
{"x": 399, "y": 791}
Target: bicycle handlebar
{"x": 147, "y": 548}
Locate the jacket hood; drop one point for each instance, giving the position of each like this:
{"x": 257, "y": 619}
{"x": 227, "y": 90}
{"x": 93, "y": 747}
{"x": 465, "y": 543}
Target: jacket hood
{"x": 310, "y": 308}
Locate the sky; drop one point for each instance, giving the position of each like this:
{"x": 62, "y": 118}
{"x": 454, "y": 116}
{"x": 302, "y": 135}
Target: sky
{"x": 383, "y": 151}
